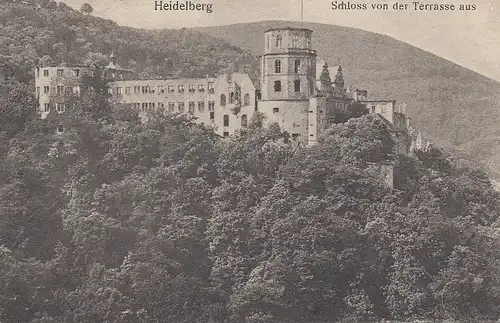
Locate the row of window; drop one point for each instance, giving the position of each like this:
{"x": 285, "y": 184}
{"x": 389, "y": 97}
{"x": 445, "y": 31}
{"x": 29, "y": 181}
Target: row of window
{"x": 175, "y": 106}
{"x": 144, "y": 89}
{"x": 295, "y": 42}
{"x": 60, "y": 107}
{"x": 234, "y": 98}
{"x": 277, "y": 66}
{"x": 244, "y": 120}
{"x": 296, "y": 86}
{"x": 59, "y": 90}
{"x": 151, "y": 106}
{"x": 59, "y": 72}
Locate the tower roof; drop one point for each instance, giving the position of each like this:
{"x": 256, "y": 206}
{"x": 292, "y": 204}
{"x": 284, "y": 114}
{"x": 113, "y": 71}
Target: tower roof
{"x": 287, "y": 28}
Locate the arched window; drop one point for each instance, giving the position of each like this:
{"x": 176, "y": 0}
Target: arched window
{"x": 297, "y": 85}
{"x": 277, "y": 86}
{"x": 297, "y": 65}
{"x": 244, "y": 120}
{"x": 222, "y": 99}
{"x": 279, "y": 41}
{"x": 226, "y": 120}
{"x": 277, "y": 66}
{"x": 246, "y": 99}
{"x": 231, "y": 98}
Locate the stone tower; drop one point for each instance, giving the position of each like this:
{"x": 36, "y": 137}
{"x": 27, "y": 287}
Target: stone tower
{"x": 288, "y": 65}
{"x": 288, "y": 76}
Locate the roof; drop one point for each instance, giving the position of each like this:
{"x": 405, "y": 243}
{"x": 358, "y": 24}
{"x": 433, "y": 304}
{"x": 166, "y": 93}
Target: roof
{"x": 331, "y": 69}
{"x": 113, "y": 66}
{"x": 378, "y": 101}
{"x": 287, "y": 28}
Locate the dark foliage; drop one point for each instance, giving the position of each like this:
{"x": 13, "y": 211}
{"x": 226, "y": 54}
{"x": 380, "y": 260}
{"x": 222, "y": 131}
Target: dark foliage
{"x": 121, "y": 221}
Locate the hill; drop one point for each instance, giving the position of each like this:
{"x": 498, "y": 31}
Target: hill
{"x": 453, "y": 106}
{"x": 47, "y": 33}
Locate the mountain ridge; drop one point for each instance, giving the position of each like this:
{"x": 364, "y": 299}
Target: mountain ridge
{"x": 337, "y": 26}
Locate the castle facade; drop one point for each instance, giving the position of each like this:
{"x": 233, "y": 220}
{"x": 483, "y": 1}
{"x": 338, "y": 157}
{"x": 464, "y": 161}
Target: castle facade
{"x": 300, "y": 94}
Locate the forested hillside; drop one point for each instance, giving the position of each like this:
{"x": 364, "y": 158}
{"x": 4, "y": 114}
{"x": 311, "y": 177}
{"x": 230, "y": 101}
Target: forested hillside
{"x": 56, "y": 33}
{"x": 121, "y": 221}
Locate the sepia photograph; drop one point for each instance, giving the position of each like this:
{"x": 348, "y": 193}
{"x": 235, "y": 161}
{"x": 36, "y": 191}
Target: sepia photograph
{"x": 237, "y": 161}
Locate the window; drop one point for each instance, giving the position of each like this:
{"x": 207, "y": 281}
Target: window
{"x": 373, "y": 109}
{"x": 191, "y": 107}
{"x": 127, "y": 90}
{"x": 171, "y": 106}
{"x": 296, "y": 85}
{"x": 180, "y": 88}
{"x": 60, "y": 72}
{"x": 37, "y": 92}
{"x": 161, "y": 106}
{"x": 60, "y": 89}
{"x": 226, "y": 120}
{"x": 118, "y": 90}
{"x": 308, "y": 42}
{"x": 144, "y": 106}
{"x": 244, "y": 120}
{"x": 276, "y": 110}
{"x": 223, "y": 100}
{"x": 46, "y": 89}
{"x": 61, "y": 107}
{"x": 144, "y": 89}
{"x": 211, "y": 105}
{"x": 295, "y": 136}
{"x": 212, "y": 115}
{"x": 191, "y": 89}
{"x": 201, "y": 106}
{"x": 279, "y": 41}
{"x": 76, "y": 72}
{"x": 151, "y": 89}
{"x": 137, "y": 89}
{"x": 161, "y": 89}
{"x": 246, "y": 99}
{"x": 110, "y": 91}
{"x": 170, "y": 89}
{"x": 151, "y": 106}
{"x": 231, "y": 97}
{"x": 60, "y": 128}
{"x": 76, "y": 90}
{"x": 180, "y": 106}
{"x": 210, "y": 87}
{"x": 46, "y": 107}
{"x": 295, "y": 42}
{"x": 267, "y": 42}
{"x": 226, "y": 134}
{"x": 201, "y": 88}
{"x": 297, "y": 66}
{"x": 37, "y": 72}
{"x": 277, "y": 86}
{"x": 137, "y": 105}
{"x": 45, "y": 72}
{"x": 277, "y": 66}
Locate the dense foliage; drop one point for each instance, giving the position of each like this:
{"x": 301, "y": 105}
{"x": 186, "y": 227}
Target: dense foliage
{"x": 115, "y": 220}
{"x": 45, "y": 32}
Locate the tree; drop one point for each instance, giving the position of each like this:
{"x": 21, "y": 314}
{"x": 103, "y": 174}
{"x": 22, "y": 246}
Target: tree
{"x": 86, "y": 8}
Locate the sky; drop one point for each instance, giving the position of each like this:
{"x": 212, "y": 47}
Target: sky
{"x": 468, "y": 38}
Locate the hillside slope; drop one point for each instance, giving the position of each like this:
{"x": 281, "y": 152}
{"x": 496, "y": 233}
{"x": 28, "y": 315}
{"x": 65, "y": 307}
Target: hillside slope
{"x": 56, "y": 33}
{"x": 450, "y": 104}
